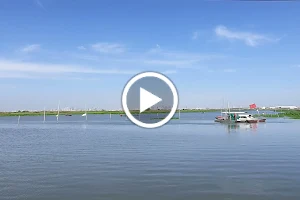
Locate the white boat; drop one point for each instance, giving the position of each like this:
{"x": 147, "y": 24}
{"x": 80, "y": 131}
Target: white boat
{"x": 238, "y": 117}
{"x": 248, "y": 118}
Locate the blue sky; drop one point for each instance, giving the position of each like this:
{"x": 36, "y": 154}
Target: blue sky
{"x": 83, "y": 52}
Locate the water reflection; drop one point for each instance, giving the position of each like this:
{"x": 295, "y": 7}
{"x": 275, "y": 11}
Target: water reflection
{"x": 83, "y": 126}
{"x": 241, "y": 126}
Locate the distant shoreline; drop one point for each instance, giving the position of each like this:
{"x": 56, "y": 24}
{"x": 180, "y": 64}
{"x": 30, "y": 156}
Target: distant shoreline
{"x": 293, "y": 114}
{"x": 41, "y": 113}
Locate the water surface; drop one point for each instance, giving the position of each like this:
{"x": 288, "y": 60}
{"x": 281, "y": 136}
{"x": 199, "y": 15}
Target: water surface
{"x": 190, "y": 158}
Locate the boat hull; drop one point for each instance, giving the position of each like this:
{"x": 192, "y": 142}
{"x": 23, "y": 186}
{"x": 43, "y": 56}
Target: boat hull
{"x": 225, "y": 121}
{"x": 248, "y": 121}
{"x": 236, "y": 121}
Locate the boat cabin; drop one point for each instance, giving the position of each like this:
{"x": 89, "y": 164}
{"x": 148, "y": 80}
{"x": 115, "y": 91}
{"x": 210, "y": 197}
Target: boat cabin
{"x": 235, "y": 115}
{"x": 245, "y": 116}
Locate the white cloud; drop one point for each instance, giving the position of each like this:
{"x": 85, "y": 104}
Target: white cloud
{"x": 155, "y": 57}
{"x": 31, "y": 48}
{"x": 250, "y": 39}
{"x": 180, "y": 55}
{"x": 295, "y": 66}
{"x": 89, "y": 64}
{"x": 39, "y": 3}
{"x": 84, "y": 56}
{"x": 162, "y": 58}
{"x": 229, "y": 70}
{"x": 81, "y": 48}
{"x": 28, "y": 69}
{"x": 170, "y": 62}
{"x": 108, "y": 47}
{"x": 170, "y": 72}
{"x": 195, "y": 35}
{"x": 157, "y": 49}
{"x": 7, "y": 75}
{"x": 216, "y": 70}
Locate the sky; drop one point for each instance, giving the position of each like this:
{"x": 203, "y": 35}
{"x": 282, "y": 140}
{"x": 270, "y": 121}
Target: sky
{"x": 84, "y": 52}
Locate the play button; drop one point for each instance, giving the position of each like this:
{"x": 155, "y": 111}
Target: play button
{"x": 149, "y": 99}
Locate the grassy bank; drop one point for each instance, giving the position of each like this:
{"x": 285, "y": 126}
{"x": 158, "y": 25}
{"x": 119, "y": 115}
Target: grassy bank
{"x": 270, "y": 115}
{"x": 40, "y": 113}
{"x": 293, "y": 114}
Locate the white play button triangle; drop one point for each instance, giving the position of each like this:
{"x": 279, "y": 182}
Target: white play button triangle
{"x": 147, "y": 99}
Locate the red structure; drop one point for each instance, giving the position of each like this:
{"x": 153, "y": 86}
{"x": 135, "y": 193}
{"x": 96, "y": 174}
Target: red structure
{"x": 252, "y": 106}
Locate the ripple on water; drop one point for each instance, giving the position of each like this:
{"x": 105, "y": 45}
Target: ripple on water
{"x": 113, "y": 159}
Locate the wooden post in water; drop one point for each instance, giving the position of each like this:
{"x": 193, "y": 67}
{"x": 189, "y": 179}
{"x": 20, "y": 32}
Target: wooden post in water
{"x": 19, "y": 119}
{"x": 86, "y": 118}
{"x": 109, "y": 115}
{"x": 178, "y": 113}
{"x": 57, "y": 116}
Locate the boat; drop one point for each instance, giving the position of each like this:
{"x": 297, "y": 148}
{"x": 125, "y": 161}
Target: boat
{"x": 247, "y": 118}
{"x": 68, "y": 115}
{"x": 219, "y": 118}
{"x": 227, "y": 117}
{"x": 238, "y": 117}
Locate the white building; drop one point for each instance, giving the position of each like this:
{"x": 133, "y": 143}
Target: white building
{"x": 286, "y": 107}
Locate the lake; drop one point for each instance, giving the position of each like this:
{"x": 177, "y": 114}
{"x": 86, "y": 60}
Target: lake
{"x": 190, "y": 158}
